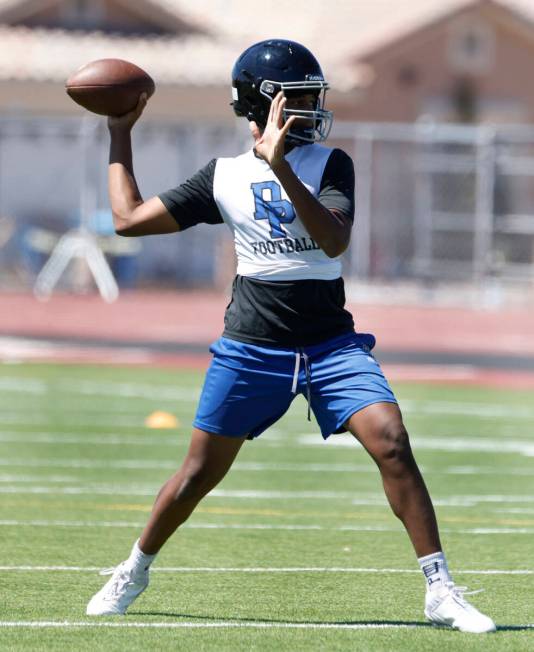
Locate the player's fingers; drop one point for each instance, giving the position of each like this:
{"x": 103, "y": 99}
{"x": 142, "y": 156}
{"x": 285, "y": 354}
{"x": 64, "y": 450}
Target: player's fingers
{"x": 141, "y": 103}
{"x": 287, "y": 126}
{"x": 133, "y": 115}
{"x": 280, "y": 112}
{"x": 271, "y": 109}
{"x": 274, "y": 106}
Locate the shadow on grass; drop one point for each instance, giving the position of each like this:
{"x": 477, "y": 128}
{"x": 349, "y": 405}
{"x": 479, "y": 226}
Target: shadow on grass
{"x": 405, "y": 623}
{"x": 346, "y": 623}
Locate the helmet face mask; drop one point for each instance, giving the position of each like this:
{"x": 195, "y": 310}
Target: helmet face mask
{"x": 317, "y": 121}
{"x": 269, "y": 67}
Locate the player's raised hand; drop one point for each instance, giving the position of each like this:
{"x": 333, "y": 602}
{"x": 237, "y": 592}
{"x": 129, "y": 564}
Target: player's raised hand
{"x": 126, "y": 122}
{"x": 270, "y": 144}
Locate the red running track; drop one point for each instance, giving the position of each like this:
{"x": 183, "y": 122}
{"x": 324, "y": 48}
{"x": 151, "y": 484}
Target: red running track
{"x": 197, "y": 318}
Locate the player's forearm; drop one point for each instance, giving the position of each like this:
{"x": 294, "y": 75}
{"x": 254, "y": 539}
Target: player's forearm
{"x": 323, "y": 226}
{"x": 124, "y": 194}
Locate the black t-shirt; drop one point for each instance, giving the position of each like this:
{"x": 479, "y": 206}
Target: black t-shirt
{"x": 283, "y": 313}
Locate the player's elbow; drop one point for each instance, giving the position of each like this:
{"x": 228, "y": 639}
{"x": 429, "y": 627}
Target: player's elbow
{"x": 333, "y": 251}
{"x": 335, "y": 247}
{"x": 338, "y": 237}
{"x": 124, "y": 233}
{"x": 122, "y": 224}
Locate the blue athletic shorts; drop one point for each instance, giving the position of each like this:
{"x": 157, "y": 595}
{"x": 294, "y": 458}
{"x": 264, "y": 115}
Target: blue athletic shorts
{"x": 248, "y": 387}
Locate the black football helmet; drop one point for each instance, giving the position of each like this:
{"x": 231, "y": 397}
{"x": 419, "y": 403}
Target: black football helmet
{"x": 276, "y": 65}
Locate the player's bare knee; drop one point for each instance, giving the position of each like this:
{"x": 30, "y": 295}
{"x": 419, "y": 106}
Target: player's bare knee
{"x": 193, "y": 486}
{"x": 394, "y": 447}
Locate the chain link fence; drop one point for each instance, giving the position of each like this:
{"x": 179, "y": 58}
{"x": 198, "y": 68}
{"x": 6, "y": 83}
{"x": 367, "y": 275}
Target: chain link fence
{"x": 443, "y": 202}
{"x": 435, "y": 203}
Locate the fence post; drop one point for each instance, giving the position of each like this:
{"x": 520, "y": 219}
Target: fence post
{"x": 360, "y": 259}
{"x": 423, "y": 255}
{"x": 484, "y": 203}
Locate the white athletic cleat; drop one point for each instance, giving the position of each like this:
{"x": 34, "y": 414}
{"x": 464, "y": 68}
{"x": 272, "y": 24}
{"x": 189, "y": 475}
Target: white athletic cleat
{"x": 119, "y": 592}
{"x": 448, "y": 607}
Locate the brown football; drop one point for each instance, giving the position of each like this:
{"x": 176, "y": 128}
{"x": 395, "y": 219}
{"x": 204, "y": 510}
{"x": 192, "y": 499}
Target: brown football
{"x": 109, "y": 86}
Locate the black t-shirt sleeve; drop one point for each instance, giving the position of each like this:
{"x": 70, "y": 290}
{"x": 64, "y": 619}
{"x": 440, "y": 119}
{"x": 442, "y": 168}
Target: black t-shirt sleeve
{"x": 192, "y": 202}
{"x": 337, "y": 185}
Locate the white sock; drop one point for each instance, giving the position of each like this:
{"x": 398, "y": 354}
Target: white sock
{"x": 435, "y": 570}
{"x": 138, "y": 561}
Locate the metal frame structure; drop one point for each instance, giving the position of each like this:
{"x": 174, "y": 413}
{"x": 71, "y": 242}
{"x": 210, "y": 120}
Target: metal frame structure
{"x": 481, "y": 152}
{"x": 80, "y": 242}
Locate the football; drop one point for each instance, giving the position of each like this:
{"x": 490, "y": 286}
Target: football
{"x": 109, "y": 86}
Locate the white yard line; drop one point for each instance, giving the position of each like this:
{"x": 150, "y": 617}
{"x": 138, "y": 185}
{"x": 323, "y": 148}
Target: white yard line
{"x": 481, "y": 531}
{"x": 23, "y": 385}
{"x": 134, "y": 464}
{"x": 449, "y": 444}
{"x": 150, "y": 490}
{"x": 482, "y": 410}
{"x": 514, "y": 510}
{"x": 354, "y": 497}
{"x": 37, "y": 478}
{"x": 207, "y": 625}
{"x": 132, "y": 390}
{"x": 100, "y": 388}
{"x": 103, "y": 439}
{"x": 483, "y": 470}
{"x": 197, "y": 526}
{"x": 267, "y": 569}
{"x": 72, "y": 420}
{"x": 76, "y": 463}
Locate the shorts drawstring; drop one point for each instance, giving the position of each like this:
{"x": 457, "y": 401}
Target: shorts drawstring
{"x": 298, "y": 355}
{"x": 308, "y": 381}
{"x": 296, "y": 373}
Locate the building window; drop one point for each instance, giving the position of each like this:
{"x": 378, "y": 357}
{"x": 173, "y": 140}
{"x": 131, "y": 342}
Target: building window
{"x": 471, "y": 47}
{"x": 407, "y": 75}
{"x": 464, "y": 100}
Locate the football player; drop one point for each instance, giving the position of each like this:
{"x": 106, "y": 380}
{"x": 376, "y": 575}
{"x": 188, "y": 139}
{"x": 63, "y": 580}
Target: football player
{"x": 289, "y": 202}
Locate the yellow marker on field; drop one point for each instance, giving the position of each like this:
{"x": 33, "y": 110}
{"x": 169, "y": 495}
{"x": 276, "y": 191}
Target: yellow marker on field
{"x": 160, "y": 419}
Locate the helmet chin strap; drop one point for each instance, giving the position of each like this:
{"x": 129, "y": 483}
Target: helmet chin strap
{"x": 299, "y": 137}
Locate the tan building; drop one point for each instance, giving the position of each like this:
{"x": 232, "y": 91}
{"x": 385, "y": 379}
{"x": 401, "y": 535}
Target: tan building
{"x": 472, "y": 65}
{"x": 459, "y": 60}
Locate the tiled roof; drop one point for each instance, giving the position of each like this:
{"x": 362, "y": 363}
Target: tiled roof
{"x": 52, "y": 55}
{"x": 337, "y": 32}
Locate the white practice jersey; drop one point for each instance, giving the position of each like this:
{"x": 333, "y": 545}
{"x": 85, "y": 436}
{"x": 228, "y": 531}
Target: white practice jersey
{"x": 274, "y": 245}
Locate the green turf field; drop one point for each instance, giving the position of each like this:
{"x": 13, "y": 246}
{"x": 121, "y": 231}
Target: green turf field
{"x": 295, "y": 550}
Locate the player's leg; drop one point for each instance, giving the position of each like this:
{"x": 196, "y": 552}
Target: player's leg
{"x": 246, "y": 389}
{"x": 380, "y": 429}
{"x": 349, "y": 391}
{"x": 206, "y": 463}
{"x": 208, "y": 460}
